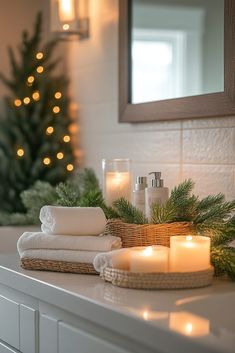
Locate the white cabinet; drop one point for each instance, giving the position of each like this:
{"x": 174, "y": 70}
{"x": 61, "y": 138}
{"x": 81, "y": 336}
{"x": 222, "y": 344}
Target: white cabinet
{"x": 10, "y": 322}
{"x": 48, "y": 334}
{"x": 18, "y": 326}
{"x": 73, "y": 340}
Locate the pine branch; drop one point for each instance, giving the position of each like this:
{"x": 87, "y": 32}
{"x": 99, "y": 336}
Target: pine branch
{"x": 92, "y": 198}
{"x": 165, "y": 213}
{"x": 184, "y": 204}
{"x": 128, "y": 213}
{"x": 67, "y": 195}
{"x": 223, "y": 260}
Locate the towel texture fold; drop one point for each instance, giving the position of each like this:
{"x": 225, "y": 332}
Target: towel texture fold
{"x": 72, "y": 220}
{"x": 39, "y": 240}
{"x": 60, "y": 255}
{"x": 119, "y": 259}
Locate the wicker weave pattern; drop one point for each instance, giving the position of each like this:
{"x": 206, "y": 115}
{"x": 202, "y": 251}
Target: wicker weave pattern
{"x": 57, "y": 266}
{"x": 147, "y": 234}
{"x": 169, "y": 280}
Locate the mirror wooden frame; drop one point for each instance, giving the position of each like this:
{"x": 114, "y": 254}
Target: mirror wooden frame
{"x": 201, "y": 106}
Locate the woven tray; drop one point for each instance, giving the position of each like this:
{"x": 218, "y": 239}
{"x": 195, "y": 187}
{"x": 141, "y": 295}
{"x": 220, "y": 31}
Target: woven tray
{"x": 147, "y": 234}
{"x": 170, "y": 280}
{"x": 58, "y": 266}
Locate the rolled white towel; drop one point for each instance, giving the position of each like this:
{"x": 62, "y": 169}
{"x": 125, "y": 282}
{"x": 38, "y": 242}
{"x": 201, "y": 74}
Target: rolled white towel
{"x": 39, "y": 240}
{"x": 60, "y": 255}
{"x": 119, "y": 259}
{"x": 72, "y": 220}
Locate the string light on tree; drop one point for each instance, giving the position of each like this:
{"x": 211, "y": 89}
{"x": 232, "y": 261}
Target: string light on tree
{"x": 26, "y": 100}
{"x": 39, "y": 55}
{"x": 17, "y": 102}
{"x": 36, "y": 95}
{"x": 20, "y": 152}
{"x": 70, "y": 167}
{"x": 47, "y": 161}
{"x": 56, "y": 109}
{"x": 40, "y": 69}
{"x": 66, "y": 138}
{"x": 58, "y": 95}
{"x": 49, "y": 130}
{"x": 60, "y": 155}
{"x": 30, "y": 79}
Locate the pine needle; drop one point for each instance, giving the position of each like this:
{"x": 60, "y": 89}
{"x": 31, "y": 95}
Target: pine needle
{"x": 128, "y": 213}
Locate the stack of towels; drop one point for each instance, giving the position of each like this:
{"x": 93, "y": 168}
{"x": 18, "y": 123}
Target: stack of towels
{"x": 69, "y": 234}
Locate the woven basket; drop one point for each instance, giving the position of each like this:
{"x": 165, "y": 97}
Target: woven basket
{"x": 170, "y": 280}
{"x": 147, "y": 234}
{"x": 57, "y": 266}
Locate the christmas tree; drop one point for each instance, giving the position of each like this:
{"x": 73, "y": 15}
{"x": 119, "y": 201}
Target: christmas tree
{"x": 34, "y": 136}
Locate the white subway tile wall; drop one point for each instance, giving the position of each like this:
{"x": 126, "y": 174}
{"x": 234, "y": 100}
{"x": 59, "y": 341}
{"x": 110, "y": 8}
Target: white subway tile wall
{"x": 201, "y": 149}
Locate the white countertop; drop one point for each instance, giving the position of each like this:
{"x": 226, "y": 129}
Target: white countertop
{"x": 199, "y": 320}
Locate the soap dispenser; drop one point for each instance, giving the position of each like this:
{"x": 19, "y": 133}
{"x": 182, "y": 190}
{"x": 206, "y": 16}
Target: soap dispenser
{"x": 139, "y": 193}
{"x": 156, "y": 193}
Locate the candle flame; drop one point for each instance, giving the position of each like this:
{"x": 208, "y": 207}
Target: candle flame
{"x": 189, "y": 237}
{"x": 189, "y": 328}
{"x": 148, "y": 251}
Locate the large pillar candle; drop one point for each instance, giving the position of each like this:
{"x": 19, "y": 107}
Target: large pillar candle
{"x": 189, "y": 253}
{"x": 116, "y": 179}
{"x": 151, "y": 259}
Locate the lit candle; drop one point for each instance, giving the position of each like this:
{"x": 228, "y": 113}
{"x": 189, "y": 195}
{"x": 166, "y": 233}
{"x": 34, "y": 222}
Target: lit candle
{"x": 189, "y": 253}
{"x": 117, "y": 185}
{"x": 151, "y": 259}
{"x": 66, "y": 10}
{"x": 189, "y": 324}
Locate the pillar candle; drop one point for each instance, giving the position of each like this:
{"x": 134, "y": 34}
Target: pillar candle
{"x": 118, "y": 184}
{"x": 151, "y": 259}
{"x": 189, "y": 253}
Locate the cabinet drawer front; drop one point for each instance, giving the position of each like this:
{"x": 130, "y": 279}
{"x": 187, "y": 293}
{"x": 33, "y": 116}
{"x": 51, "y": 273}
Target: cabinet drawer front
{"x": 48, "y": 334}
{"x": 73, "y": 340}
{"x": 10, "y": 322}
{"x": 28, "y": 329}
{"x": 5, "y": 349}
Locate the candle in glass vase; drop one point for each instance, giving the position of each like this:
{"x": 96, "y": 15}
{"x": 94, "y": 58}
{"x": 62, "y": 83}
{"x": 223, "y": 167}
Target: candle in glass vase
{"x": 116, "y": 179}
{"x": 189, "y": 253}
{"x": 151, "y": 259}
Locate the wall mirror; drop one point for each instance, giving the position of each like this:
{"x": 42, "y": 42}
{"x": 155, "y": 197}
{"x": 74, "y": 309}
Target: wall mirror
{"x": 176, "y": 59}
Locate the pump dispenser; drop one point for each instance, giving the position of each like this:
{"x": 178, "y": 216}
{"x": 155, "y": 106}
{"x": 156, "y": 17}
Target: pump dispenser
{"x": 139, "y": 193}
{"x": 156, "y": 193}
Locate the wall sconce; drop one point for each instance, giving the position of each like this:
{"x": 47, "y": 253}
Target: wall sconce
{"x": 70, "y": 18}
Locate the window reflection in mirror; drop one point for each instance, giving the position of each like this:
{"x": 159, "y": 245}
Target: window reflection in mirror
{"x": 177, "y": 48}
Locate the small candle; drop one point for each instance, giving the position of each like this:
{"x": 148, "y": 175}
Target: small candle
{"x": 118, "y": 184}
{"x": 151, "y": 259}
{"x": 189, "y": 253}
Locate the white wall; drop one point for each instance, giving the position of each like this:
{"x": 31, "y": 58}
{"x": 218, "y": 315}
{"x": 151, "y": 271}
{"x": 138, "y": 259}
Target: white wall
{"x": 200, "y": 149}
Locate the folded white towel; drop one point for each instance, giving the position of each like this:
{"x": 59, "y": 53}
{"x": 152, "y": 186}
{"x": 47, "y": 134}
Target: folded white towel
{"x": 60, "y": 255}
{"x": 39, "y": 240}
{"x": 119, "y": 259}
{"x": 72, "y": 220}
